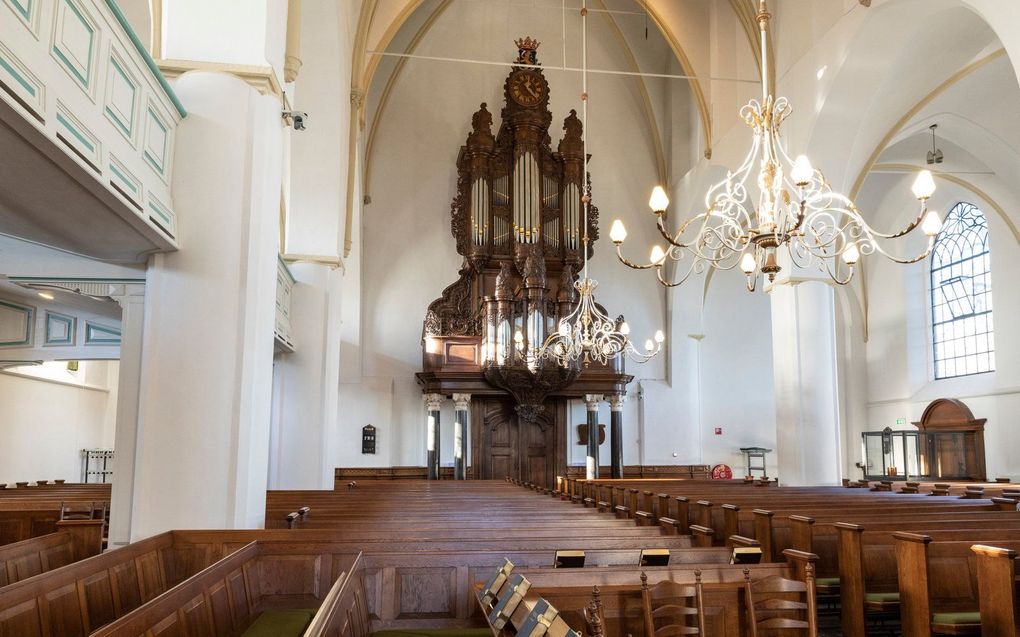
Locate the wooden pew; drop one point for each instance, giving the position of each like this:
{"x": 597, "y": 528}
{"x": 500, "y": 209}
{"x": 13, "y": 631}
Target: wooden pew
{"x": 997, "y": 590}
{"x": 74, "y": 540}
{"x": 620, "y": 588}
{"x": 869, "y": 572}
{"x": 79, "y": 598}
{"x": 344, "y": 611}
{"x": 938, "y": 585}
{"x": 244, "y": 588}
{"x": 29, "y": 512}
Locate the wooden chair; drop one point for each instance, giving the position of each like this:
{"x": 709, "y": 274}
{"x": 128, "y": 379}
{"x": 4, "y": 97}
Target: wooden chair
{"x": 667, "y": 607}
{"x": 92, "y": 511}
{"x": 779, "y": 604}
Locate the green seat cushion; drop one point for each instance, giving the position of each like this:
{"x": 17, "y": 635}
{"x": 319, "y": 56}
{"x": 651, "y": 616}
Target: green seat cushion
{"x": 280, "y": 623}
{"x": 446, "y": 632}
{"x": 882, "y": 597}
{"x": 827, "y": 581}
{"x": 957, "y": 618}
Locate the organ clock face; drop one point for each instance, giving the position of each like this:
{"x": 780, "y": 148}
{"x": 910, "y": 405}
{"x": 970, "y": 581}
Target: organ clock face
{"x": 527, "y": 88}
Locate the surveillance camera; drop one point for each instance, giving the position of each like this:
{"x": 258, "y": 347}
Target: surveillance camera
{"x": 297, "y": 119}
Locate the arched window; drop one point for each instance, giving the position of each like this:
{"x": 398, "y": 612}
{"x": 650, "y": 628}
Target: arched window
{"x": 961, "y": 295}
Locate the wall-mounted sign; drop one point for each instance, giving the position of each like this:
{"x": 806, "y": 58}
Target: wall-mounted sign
{"x": 901, "y": 421}
{"x": 368, "y": 439}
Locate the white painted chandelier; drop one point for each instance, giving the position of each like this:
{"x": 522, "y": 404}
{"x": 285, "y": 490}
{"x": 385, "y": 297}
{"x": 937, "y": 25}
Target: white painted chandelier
{"x": 587, "y": 335}
{"x": 794, "y": 211}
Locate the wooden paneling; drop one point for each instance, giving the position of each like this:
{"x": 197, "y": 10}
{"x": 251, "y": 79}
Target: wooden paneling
{"x": 78, "y": 598}
{"x": 63, "y": 610}
{"x": 97, "y": 597}
{"x": 426, "y": 592}
{"x": 127, "y": 594}
{"x": 290, "y": 575}
{"x": 696, "y": 471}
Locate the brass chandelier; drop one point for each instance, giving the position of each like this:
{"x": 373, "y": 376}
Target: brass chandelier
{"x": 795, "y": 211}
{"x": 588, "y": 334}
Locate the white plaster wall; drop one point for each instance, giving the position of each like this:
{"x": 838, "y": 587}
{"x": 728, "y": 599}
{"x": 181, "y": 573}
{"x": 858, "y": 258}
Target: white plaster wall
{"x": 50, "y": 415}
{"x": 318, "y": 166}
{"x": 251, "y": 34}
{"x": 736, "y": 373}
{"x": 206, "y": 379}
{"x": 899, "y": 355}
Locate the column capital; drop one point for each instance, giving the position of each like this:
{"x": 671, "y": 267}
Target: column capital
{"x": 461, "y": 401}
{"x": 592, "y": 401}
{"x": 292, "y": 55}
{"x": 433, "y": 401}
{"x": 616, "y": 401}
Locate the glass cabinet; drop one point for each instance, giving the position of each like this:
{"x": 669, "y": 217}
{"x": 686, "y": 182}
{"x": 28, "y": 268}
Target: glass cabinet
{"x": 919, "y": 455}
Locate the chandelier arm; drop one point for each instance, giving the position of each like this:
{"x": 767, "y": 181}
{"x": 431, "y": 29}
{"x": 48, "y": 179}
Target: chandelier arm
{"x": 672, "y": 284}
{"x": 631, "y": 264}
{"x": 852, "y": 210}
{"x": 931, "y": 245}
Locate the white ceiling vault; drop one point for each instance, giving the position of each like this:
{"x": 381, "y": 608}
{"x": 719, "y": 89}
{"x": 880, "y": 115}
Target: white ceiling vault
{"x": 866, "y": 78}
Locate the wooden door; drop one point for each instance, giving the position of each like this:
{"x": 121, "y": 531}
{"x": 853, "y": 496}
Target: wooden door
{"x": 507, "y": 445}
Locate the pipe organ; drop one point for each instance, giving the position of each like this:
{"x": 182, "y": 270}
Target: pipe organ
{"x": 517, "y": 221}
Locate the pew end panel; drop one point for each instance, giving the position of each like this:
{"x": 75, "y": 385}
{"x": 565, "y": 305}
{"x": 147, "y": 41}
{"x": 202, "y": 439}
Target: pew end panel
{"x": 997, "y": 590}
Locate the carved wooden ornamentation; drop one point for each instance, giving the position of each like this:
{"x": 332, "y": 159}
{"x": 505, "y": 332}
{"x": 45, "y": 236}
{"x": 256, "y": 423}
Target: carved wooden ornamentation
{"x": 517, "y": 219}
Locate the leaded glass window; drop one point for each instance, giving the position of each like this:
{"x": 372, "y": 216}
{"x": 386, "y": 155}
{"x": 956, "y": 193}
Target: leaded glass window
{"x": 961, "y": 295}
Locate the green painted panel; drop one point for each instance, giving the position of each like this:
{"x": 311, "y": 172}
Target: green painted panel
{"x": 96, "y": 334}
{"x": 114, "y": 116}
{"x": 92, "y": 41}
{"x": 145, "y": 56}
{"x": 29, "y": 313}
{"x": 124, "y": 180}
{"x": 17, "y": 76}
{"x": 54, "y": 320}
{"x": 24, "y": 9}
{"x": 149, "y": 154}
{"x": 74, "y": 131}
{"x": 163, "y": 214}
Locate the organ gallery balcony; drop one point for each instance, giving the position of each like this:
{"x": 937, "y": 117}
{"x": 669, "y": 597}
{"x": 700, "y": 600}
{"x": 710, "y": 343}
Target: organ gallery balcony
{"x": 87, "y": 128}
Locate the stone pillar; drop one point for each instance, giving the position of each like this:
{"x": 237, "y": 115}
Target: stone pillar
{"x": 432, "y": 403}
{"x": 616, "y": 433}
{"x": 305, "y": 442}
{"x": 592, "y": 461}
{"x": 805, "y": 379}
{"x": 132, "y": 307}
{"x": 202, "y": 445}
{"x": 460, "y": 435}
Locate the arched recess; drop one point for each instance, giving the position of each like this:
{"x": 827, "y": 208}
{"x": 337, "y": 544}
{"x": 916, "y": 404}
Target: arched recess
{"x": 896, "y": 54}
{"x": 900, "y": 58}
{"x": 380, "y": 22}
{"x": 619, "y": 38}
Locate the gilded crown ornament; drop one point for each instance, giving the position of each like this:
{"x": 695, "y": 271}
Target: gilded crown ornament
{"x": 527, "y": 50}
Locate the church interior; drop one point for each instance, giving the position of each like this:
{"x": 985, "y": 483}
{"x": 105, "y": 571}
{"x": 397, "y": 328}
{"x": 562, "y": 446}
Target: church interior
{"x": 596, "y": 318}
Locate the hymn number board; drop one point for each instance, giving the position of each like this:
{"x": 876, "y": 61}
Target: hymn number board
{"x": 368, "y": 439}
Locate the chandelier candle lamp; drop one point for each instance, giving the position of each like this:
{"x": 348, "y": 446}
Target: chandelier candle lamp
{"x": 773, "y": 206}
{"x": 587, "y": 334}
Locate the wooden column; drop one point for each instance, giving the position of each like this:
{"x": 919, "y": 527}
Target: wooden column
{"x": 460, "y": 429}
{"x": 616, "y": 433}
{"x": 432, "y": 404}
{"x": 592, "y": 461}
